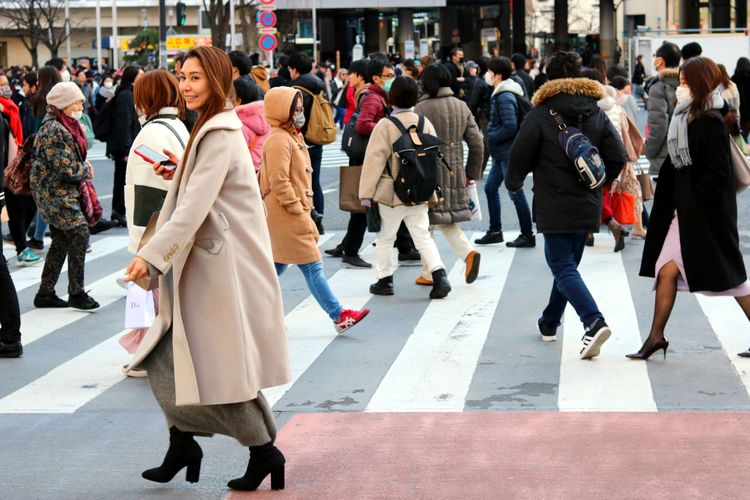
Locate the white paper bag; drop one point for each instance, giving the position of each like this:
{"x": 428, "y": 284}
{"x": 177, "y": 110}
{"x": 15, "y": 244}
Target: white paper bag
{"x": 476, "y": 209}
{"x": 139, "y": 307}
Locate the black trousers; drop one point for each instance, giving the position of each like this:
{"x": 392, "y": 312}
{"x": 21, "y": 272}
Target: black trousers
{"x": 118, "y": 191}
{"x": 21, "y": 212}
{"x": 10, "y": 314}
{"x": 70, "y": 243}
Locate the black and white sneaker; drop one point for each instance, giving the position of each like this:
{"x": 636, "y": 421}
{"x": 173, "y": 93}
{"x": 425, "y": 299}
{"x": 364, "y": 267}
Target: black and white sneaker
{"x": 549, "y": 333}
{"x": 596, "y": 335}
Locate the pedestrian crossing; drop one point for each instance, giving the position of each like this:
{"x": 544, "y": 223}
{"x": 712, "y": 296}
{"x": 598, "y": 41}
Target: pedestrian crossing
{"x": 478, "y": 349}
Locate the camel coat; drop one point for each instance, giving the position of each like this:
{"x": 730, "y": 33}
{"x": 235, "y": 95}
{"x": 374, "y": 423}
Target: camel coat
{"x": 218, "y": 287}
{"x": 286, "y": 182}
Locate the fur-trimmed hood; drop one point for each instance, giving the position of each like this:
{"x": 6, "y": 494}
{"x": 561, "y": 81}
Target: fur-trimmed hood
{"x": 669, "y": 73}
{"x": 569, "y": 86}
{"x": 571, "y": 97}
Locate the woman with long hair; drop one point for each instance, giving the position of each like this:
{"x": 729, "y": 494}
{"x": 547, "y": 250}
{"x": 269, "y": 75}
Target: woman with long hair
{"x": 692, "y": 242}
{"x": 219, "y": 337}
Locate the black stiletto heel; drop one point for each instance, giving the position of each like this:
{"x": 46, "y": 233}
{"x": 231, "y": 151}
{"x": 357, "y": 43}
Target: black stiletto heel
{"x": 264, "y": 460}
{"x": 663, "y": 344}
{"x": 183, "y": 452}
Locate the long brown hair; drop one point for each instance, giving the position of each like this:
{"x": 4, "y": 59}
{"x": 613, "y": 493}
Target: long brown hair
{"x": 155, "y": 90}
{"x": 218, "y": 70}
{"x": 47, "y": 78}
{"x": 702, "y": 75}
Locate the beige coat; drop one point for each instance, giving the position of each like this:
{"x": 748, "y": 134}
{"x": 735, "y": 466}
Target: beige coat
{"x": 218, "y": 286}
{"x": 286, "y": 181}
{"x": 375, "y": 183}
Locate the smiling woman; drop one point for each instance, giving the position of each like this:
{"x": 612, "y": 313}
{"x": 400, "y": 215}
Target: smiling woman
{"x": 207, "y": 369}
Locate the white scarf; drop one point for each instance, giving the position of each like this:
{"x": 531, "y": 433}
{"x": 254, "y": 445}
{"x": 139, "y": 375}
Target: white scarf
{"x": 677, "y": 139}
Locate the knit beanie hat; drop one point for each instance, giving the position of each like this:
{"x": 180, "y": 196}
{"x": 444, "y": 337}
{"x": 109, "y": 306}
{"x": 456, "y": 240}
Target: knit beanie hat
{"x": 64, "y": 94}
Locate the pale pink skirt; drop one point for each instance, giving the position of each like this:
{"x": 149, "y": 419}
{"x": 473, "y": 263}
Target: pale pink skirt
{"x": 672, "y": 251}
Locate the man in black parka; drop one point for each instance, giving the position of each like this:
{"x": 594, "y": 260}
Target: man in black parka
{"x": 564, "y": 209}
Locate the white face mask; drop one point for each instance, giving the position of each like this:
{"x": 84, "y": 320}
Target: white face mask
{"x": 683, "y": 94}
{"x": 489, "y": 78}
{"x": 65, "y": 76}
{"x": 299, "y": 120}
{"x": 107, "y": 85}
{"x": 77, "y": 115}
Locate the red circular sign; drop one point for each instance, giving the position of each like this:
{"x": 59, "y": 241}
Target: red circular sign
{"x": 268, "y": 19}
{"x": 267, "y": 42}
{"x": 267, "y": 2}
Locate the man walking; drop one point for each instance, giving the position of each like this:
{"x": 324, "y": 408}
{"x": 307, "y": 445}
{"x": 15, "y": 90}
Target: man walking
{"x": 565, "y": 210}
{"x": 662, "y": 97}
{"x": 501, "y": 131}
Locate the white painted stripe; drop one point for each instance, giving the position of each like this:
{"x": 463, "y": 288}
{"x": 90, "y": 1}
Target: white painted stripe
{"x": 434, "y": 369}
{"x": 610, "y": 382}
{"x": 26, "y": 277}
{"x": 38, "y": 323}
{"x": 730, "y": 326}
{"x": 72, "y": 384}
{"x": 310, "y": 330}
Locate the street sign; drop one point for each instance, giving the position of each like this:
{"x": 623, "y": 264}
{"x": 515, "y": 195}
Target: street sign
{"x": 268, "y": 42}
{"x": 409, "y": 49}
{"x": 267, "y": 18}
{"x": 358, "y": 52}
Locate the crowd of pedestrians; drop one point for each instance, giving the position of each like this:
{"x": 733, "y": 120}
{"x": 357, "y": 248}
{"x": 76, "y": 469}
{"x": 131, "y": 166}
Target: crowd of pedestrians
{"x": 217, "y": 170}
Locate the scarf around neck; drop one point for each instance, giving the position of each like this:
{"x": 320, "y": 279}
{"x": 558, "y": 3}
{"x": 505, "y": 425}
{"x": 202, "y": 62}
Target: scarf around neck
{"x": 74, "y": 127}
{"x": 677, "y": 139}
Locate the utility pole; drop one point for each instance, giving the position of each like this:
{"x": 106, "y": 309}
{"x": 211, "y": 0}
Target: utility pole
{"x": 115, "y": 46}
{"x": 162, "y": 34}
{"x": 315, "y": 30}
{"x": 231, "y": 25}
{"x": 98, "y": 37}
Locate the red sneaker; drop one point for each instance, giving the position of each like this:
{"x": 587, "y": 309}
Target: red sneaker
{"x": 349, "y": 318}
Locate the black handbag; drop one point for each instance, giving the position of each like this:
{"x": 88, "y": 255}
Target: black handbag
{"x": 353, "y": 144}
{"x": 373, "y": 218}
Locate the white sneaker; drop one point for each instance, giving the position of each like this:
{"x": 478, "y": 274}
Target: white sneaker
{"x": 596, "y": 335}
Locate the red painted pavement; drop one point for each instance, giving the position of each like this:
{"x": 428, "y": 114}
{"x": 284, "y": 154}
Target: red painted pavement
{"x": 514, "y": 455}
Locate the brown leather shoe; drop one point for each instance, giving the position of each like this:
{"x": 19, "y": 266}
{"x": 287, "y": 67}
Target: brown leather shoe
{"x": 421, "y": 280}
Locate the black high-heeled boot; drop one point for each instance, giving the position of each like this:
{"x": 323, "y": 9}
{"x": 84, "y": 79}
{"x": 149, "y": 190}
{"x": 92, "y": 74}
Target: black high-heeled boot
{"x": 264, "y": 460}
{"x": 183, "y": 452}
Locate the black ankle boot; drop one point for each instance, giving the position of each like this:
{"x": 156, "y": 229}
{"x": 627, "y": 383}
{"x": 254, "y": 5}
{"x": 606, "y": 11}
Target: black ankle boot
{"x": 264, "y": 460}
{"x": 384, "y": 286}
{"x": 183, "y": 452}
{"x": 440, "y": 285}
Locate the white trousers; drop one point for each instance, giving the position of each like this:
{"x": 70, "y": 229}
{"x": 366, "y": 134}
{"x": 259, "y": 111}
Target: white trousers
{"x": 418, "y": 223}
{"x": 457, "y": 240}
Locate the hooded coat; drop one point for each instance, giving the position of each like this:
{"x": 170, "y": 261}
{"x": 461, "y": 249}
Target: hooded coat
{"x": 286, "y": 183}
{"x": 255, "y": 128}
{"x": 218, "y": 288}
{"x": 706, "y": 203}
{"x": 661, "y": 102}
{"x": 453, "y": 123}
{"x": 261, "y": 78}
{"x": 562, "y": 204}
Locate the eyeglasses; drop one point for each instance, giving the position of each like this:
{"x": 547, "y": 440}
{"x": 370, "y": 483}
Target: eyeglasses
{"x": 299, "y": 110}
{"x": 389, "y": 76}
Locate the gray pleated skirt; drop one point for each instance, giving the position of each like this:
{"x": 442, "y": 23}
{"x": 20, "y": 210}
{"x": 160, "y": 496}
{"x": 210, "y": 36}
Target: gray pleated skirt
{"x": 250, "y": 422}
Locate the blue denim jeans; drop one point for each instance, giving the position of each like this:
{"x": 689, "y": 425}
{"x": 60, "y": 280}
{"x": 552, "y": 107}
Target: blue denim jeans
{"x": 563, "y": 253}
{"x": 318, "y": 286}
{"x": 40, "y": 228}
{"x": 492, "y": 190}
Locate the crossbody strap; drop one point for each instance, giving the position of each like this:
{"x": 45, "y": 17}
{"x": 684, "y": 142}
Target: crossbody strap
{"x": 558, "y": 119}
{"x": 170, "y": 127}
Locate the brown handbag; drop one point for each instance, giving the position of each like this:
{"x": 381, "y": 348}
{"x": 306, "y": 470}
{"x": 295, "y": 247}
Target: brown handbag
{"x": 349, "y": 190}
{"x": 148, "y": 282}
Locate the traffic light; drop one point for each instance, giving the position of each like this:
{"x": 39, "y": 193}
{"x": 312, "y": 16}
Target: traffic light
{"x": 180, "y": 14}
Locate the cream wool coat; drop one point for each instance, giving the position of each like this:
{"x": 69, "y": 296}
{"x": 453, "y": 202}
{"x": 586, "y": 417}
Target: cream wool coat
{"x": 218, "y": 286}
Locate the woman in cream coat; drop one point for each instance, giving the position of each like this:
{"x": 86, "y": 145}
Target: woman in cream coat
{"x": 219, "y": 337}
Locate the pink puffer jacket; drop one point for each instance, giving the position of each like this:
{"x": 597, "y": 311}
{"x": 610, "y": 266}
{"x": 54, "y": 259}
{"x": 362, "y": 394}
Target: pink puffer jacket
{"x": 255, "y": 128}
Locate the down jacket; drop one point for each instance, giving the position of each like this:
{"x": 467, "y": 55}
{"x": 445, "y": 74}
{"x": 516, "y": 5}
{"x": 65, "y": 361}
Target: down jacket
{"x": 374, "y": 108}
{"x": 503, "y": 125}
{"x": 661, "y": 103}
{"x": 453, "y": 122}
{"x": 561, "y": 203}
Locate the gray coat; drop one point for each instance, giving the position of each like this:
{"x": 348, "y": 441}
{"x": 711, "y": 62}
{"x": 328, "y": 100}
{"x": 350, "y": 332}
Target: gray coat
{"x": 453, "y": 122}
{"x": 661, "y": 102}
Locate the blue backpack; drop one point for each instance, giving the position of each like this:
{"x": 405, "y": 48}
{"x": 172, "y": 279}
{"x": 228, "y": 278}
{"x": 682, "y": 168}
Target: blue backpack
{"x": 584, "y": 155}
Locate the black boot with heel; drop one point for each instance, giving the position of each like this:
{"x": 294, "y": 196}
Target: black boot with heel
{"x": 264, "y": 460}
{"x": 183, "y": 452}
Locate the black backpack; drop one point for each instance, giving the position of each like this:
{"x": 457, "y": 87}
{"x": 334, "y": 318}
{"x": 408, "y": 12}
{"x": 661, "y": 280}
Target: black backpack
{"x": 524, "y": 106}
{"x": 419, "y": 160}
{"x": 104, "y": 122}
{"x": 353, "y": 144}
